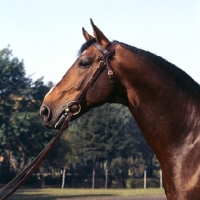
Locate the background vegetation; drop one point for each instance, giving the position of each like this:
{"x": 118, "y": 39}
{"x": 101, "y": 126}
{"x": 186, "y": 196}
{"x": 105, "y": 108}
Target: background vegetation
{"x": 102, "y": 149}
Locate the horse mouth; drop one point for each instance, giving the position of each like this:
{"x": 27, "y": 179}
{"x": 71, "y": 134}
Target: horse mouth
{"x": 60, "y": 120}
{"x": 64, "y": 114}
{"x": 55, "y": 123}
{"x": 72, "y": 107}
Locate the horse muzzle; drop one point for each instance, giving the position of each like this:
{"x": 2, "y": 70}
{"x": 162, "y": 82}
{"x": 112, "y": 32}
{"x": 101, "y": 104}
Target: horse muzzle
{"x": 46, "y": 114}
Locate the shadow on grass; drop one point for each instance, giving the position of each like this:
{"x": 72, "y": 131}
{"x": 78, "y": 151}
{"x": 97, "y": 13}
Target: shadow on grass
{"x": 51, "y": 197}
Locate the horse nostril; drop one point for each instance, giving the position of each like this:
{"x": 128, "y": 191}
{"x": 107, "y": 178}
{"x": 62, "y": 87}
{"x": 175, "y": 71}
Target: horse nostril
{"x": 45, "y": 113}
{"x": 44, "y": 110}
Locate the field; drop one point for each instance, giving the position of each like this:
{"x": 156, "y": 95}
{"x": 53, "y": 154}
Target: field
{"x": 66, "y": 194}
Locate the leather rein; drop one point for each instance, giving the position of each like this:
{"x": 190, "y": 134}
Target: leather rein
{"x": 63, "y": 122}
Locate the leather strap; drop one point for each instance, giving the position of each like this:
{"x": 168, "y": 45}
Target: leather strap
{"x": 104, "y": 51}
{"x": 25, "y": 174}
{"x": 102, "y": 64}
{"x": 96, "y": 74}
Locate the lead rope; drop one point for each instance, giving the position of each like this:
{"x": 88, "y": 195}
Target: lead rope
{"x": 35, "y": 163}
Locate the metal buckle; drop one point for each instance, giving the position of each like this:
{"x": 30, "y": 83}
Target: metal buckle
{"x": 110, "y": 73}
{"x": 67, "y": 109}
{"x": 101, "y": 61}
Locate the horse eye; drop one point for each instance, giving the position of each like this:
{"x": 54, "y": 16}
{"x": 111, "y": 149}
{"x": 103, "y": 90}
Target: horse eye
{"x": 83, "y": 64}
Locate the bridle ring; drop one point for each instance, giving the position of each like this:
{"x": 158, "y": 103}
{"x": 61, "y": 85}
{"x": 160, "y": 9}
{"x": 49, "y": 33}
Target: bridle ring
{"x": 67, "y": 109}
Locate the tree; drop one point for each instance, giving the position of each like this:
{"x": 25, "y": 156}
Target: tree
{"x": 119, "y": 169}
{"x": 22, "y": 134}
{"x": 97, "y": 136}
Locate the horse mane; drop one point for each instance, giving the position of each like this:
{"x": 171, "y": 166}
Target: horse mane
{"x": 175, "y": 75}
{"x": 171, "y": 72}
{"x": 86, "y": 45}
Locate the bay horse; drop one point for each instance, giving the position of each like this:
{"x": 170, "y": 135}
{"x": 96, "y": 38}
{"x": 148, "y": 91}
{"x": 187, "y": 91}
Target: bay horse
{"x": 163, "y": 99}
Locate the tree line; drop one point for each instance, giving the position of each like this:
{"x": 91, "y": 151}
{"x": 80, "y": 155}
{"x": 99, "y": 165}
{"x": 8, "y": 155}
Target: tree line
{"x": 103, "y": 148}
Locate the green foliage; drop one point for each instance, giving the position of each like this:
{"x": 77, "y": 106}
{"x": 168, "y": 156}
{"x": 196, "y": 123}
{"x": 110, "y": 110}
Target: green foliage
{"x": 22, "y": 134}
{"x": 139, "y": 183}
{"x": 110, "y": 134}
{"x": 118, "y": 170}
{"x": 102, "y": 133}
{"x": 12, "y": 74}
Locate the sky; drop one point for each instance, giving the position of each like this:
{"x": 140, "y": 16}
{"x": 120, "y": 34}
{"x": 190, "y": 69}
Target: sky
{"x": 47, "y": 34}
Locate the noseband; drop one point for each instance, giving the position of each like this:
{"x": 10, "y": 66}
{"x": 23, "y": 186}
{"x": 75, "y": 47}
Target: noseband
{"x": 102, "y": 64}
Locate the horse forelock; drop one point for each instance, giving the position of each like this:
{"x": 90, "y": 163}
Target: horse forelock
{"x": 86, "y": 45}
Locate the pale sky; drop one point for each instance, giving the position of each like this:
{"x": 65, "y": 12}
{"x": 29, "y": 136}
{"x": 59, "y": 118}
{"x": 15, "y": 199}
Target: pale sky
{"x": 47, "y": 34}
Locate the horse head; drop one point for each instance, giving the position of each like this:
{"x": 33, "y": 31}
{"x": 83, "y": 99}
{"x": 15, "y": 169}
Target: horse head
{"x": 70, "y": 92}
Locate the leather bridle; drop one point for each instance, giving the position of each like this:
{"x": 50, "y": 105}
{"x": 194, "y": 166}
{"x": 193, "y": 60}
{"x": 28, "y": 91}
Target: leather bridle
{"x": 63, "y": 121}
{"x": 102, "y": 64}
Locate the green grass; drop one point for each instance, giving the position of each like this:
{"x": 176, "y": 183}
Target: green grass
{"x": 57, "y": 193}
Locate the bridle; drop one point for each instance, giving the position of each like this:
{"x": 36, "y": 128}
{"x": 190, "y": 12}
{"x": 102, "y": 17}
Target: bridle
{"x": 102, "y": 64}
{"x": 63, "y": 121}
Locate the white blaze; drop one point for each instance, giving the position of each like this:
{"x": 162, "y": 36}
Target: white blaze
{"x": 50, "y": 91}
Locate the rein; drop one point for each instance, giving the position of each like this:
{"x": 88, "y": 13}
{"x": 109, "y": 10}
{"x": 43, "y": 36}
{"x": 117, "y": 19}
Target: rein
{"x": 63, "y": 122}
{"x": 26, "y": 173}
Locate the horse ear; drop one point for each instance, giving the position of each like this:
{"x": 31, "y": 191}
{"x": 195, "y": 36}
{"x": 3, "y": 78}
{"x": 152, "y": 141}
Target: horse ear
{"x": 86, "y": 35}
{"x": 100, "y": 37}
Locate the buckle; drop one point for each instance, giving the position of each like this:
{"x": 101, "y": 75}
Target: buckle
{"x": 110, "y": 73}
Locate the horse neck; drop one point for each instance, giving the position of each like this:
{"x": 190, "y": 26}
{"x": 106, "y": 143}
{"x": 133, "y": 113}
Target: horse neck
{"x": 167, "y": 115}
{"x": 159, "y": 109}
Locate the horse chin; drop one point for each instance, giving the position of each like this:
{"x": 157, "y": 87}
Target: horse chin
{"x": 57, "y": 124}
{"x": 49, "y": 125}
{"x": 52, "y": 124}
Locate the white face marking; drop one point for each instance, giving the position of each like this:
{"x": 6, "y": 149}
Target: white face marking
{"x": 50, "y": 91}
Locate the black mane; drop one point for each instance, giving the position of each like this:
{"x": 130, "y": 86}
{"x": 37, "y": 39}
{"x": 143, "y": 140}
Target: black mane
{"x": 174, "y": 74}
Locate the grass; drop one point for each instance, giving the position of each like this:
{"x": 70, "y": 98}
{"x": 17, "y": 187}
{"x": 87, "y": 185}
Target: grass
{"x": 57, "y": 193}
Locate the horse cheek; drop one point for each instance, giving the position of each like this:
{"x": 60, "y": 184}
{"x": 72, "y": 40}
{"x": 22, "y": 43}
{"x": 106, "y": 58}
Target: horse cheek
{"x": 98, "y": 94}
